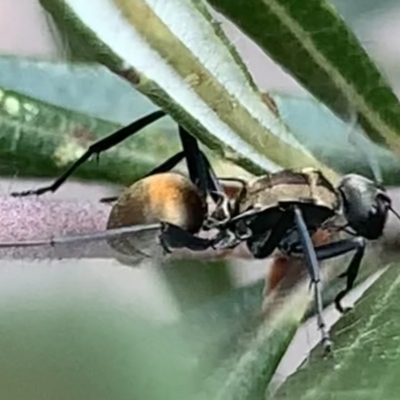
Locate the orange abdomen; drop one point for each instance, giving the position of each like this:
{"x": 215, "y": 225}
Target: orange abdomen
{"x": 168, "y": 197}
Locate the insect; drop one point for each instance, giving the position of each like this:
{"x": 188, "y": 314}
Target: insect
{"x": 280, "y": 210}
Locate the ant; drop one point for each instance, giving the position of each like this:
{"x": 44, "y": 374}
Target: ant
{"x": 280, "y": 210}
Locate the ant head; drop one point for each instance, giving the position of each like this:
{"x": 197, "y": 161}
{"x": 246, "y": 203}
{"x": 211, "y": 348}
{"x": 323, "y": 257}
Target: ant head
{"x": 365, "y": 205}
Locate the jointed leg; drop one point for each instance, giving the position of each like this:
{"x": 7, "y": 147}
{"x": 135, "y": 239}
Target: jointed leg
{"x": 340, "y": 248}
{"x": 314, "y": 270}
{"x": 164, "y": 167}
{"x": 200, "y": 171}
{"x": 199, "y": 168}
{"x": 96, "y": 148}
{"x": 262, "y": 245}
{"x": 351, "y": 274}
{"x": 174, "y": 237}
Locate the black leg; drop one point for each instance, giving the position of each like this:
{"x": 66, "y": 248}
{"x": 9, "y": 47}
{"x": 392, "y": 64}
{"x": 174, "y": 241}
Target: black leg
{"x": 171, "y": 236}
{"x": 164, "y": 167}
{"x": 174, "y": 237}
{"x": 96, "y": 148}
{"x": 203, "y": 176}
{"x": 200, "y": 171}
{"x": 314, "y": 270}
{"x": 261, "y": 245}
{"x": 85, "y": 237}
{"x": 199, "y": 168}
{"x": 340, "y": 248}
{"x": 167, "y": 165}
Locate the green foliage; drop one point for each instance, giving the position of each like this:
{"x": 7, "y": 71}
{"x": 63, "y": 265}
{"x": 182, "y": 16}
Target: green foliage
{"x": 174, "y": 71}
{"x": 206, "y": 339}
{"x": 365, "y": 362}
{"x": 39, "y": 139}
{"x": 313, "y": 43}
{"x": 73, "y": 97}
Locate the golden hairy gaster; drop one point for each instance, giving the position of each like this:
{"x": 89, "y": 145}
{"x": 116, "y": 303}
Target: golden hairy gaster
{"x": 168, "y": 197}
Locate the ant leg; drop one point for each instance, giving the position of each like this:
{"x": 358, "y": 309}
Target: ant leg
{"x": 200, "y": 171}
{"x": 203, "y": 176}
{"x": 261, "y": 245}
{"x": 167, "y": 165}
{"x": 173, "y": 236}
{"x": 313, "y": 267}
{"x": 351, "y": 274}
{"x": 96, "y": 148}
{"x": 85, "y": 237}
{"x": 164, "y": 167}
{"x": 340, "y": 248}
{"x": 199, "y": 168}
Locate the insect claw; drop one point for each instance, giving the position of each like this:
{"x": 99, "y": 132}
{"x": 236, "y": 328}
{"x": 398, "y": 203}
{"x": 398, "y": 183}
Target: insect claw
{"x": 338, "y": 304}
{"x": 36, "y": 192}
{"x": 327, "y": 346}
{"x": 347, "y": 309}
{"x": 110, "y": 199}
{"x": 164, "y": 246}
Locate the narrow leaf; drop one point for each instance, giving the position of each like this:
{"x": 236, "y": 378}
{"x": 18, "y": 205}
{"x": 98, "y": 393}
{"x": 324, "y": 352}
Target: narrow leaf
{"x": 313, "y": 43}
{"x": 191, "y": 74}
{"x": 82, "y": 96}
{"x": 339, "y": 144}
{"x": 366, "y": 360}
{"x": 38, "y": 139}
{"x": 93, "y": 90}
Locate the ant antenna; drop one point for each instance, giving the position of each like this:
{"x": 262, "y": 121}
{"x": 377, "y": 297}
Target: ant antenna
{"x": 394, "y": 212}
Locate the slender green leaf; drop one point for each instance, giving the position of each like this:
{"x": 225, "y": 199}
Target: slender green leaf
{"x": 38, "y": 139}
{"x": 86, "y": 88}
{"x": 338, "y": 144}
{"x": 191, "y": 74}
{"x": 312, "y": 42}
{"x": 366, "y": 359}
{"x": 95, "y": 91}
